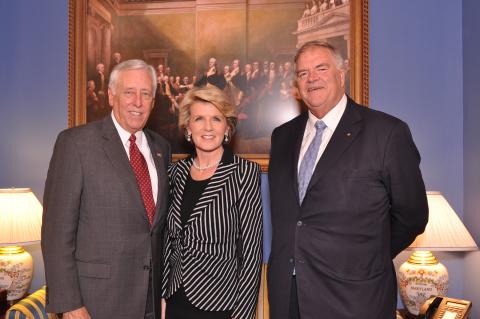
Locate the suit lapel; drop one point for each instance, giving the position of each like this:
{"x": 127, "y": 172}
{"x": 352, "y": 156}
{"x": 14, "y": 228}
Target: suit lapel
{"x": 179, "y": 179}
{"x": 157, "y": 155}
{"x": 214, "y": 192}
{"x": 299, "y": 130}
{"x": 115, "y": 152}
{"x": 211, "y": 193}
{"x": 347, "y": 130}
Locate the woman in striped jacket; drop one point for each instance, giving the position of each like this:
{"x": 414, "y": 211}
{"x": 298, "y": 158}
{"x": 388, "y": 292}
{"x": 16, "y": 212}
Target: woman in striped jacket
{"x": 213, "y": 240}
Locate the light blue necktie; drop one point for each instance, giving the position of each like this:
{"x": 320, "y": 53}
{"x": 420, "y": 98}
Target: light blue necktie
{"x": 308, "y": 162}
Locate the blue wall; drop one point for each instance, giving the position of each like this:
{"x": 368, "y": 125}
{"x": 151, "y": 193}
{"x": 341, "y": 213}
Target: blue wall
{"x": 418, "y": 69}
{"x": 33, "y": 84}
{"x": 416, "y": 75}
{"x": 471, "y": 131}
{"x": 33, "y": 91}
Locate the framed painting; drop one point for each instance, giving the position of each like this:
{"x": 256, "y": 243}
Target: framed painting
{"x": 247, "y": 45}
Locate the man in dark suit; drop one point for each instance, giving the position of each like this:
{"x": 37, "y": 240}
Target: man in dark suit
{"x": 105, "y": 206}
{"x": 346, "y": 195}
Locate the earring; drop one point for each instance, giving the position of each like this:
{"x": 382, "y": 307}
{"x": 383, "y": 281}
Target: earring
{"x": 226, "y": 138}
{"x": 188, "y": 136}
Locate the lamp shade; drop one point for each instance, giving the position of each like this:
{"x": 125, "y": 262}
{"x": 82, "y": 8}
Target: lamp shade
{"x": 444, "y": 231}
{"x": 422, "y": 275}
{"x": 20, "y": 217}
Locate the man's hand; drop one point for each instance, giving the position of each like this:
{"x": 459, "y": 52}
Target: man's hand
{"x": 211, "y": 71}
{"x": 80, "y": 313}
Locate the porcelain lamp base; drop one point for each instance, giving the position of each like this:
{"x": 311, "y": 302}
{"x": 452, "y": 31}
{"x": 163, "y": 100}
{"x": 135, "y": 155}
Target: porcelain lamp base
{"x": 419, "y": 278}
{"x": 16, "y": 270}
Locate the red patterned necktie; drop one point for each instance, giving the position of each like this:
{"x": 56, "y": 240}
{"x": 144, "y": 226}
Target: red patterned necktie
{"x": 140, "y": 168}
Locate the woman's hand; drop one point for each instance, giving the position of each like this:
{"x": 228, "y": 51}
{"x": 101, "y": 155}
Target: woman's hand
{"x": 164, "y": 308}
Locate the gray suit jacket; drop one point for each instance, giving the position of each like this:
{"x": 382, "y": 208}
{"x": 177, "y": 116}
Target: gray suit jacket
{"x": 97, "y": 243}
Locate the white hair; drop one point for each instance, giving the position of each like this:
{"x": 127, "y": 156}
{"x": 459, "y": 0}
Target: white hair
{"x": 135, "y": 64}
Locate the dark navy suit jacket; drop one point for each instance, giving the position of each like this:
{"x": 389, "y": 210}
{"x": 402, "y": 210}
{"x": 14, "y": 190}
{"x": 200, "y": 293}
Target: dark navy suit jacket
{"x": 365, "y": 203}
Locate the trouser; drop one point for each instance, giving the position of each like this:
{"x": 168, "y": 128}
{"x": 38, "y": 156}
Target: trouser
{"x": 149, "y": 306}
{"x": 294, "y": 308}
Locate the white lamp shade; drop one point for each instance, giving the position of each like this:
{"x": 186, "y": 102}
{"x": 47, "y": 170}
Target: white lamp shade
{"x": 445, "y": 231}
{"x": 20, "y": 217}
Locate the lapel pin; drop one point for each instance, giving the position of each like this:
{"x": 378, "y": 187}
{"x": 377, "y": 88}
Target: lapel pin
{"x": 348, "y": 134}
{"x": 159, "y": 154}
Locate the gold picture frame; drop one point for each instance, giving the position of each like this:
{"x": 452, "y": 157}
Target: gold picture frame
{"x": 358, "y": 47}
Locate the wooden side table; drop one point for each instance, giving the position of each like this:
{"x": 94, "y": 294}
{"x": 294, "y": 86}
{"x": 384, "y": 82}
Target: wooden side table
{"x": 404, "y": 314}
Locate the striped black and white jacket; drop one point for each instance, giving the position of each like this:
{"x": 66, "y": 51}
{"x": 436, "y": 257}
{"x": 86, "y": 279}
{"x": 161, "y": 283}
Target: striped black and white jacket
{"x": 217, "y": 256}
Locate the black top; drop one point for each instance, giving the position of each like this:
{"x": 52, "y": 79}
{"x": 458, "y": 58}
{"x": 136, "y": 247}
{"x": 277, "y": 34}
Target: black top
{"x": 191, "y": 194}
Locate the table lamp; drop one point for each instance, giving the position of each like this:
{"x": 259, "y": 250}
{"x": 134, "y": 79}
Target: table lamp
{"x": 20, "y": 224}
{"x": 422, "y": 275}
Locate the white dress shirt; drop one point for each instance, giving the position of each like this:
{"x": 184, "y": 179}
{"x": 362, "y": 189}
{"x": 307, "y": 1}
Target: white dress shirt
{"x": 331, "y": 120}
{"x": 144, "y": 149}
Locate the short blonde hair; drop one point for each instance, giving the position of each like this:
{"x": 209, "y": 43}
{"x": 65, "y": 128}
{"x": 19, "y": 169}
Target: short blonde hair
{"x": 210, "y": 94}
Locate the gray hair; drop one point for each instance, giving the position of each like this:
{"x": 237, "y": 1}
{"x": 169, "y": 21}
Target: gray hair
{"x": 340, "y": 62}
{"x": 135, "y": 64}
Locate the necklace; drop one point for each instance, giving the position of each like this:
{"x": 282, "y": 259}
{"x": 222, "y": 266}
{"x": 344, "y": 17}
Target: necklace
{"x": 201, "y": 169}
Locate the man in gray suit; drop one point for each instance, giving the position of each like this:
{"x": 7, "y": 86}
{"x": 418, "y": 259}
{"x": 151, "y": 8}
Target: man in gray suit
{"x": 105, "y": 206}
